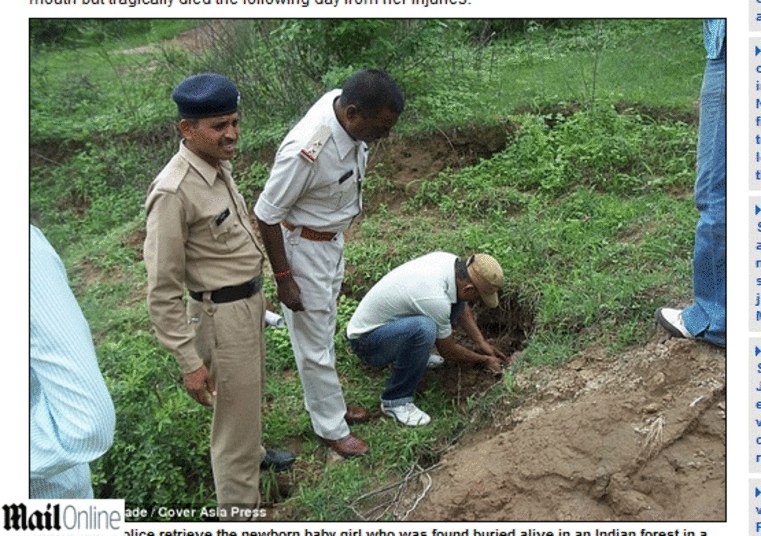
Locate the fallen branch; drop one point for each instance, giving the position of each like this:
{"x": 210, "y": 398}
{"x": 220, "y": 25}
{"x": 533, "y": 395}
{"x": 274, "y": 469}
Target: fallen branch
{"x": 394, "y": 504}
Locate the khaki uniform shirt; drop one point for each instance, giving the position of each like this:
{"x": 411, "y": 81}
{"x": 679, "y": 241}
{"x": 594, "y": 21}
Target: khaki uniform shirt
{"x": 199, "y": 236}
{"x": 316, "y": 179}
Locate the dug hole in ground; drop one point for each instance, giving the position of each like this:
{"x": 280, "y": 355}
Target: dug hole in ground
{"x": 635, "y": 436}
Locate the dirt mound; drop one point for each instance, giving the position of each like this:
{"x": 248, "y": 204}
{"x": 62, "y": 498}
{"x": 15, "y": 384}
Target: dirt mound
{"x": 408, "y": 160}
{"x": 641, "y": 437}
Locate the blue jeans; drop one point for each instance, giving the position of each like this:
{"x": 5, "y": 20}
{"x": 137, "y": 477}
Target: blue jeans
{"x": 407, "y": 344}
{"x": 706, "y": 318}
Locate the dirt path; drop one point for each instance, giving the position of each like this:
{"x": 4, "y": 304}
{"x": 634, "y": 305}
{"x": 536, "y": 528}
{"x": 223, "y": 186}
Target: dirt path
{"x": 637, "y": 438}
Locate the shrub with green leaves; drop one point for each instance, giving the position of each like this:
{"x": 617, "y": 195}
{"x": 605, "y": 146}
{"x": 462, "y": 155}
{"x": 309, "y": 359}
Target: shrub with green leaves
{"x": 601, "y": 149}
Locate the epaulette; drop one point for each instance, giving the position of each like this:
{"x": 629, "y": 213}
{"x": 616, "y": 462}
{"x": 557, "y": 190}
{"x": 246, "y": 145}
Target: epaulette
{"x": 316, "y": 144}
{"x": 170, "y": 178}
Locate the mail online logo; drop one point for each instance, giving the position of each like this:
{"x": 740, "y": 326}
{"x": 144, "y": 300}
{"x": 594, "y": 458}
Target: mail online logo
{"x": 81, "y": 517}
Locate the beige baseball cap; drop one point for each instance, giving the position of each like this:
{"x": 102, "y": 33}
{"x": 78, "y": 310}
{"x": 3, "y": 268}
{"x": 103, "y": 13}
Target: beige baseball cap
{"x": 486, "y": 274}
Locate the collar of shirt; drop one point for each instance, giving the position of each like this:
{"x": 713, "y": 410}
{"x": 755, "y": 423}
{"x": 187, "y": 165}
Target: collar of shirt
{"x": 208, "y": 172}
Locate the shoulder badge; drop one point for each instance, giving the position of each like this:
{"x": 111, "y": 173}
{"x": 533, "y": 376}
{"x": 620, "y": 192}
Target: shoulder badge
{"x": 316, "y": 144}
{"x": 170, "y": 178}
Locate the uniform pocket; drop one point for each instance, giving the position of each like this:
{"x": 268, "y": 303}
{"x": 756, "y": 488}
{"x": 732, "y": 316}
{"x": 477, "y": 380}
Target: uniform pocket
{"x": 229, "y": 232}
{"x": 334, "y": 195}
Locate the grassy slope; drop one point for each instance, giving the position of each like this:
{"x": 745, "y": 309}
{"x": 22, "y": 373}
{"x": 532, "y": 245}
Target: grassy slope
{"x": 589, "y": 249}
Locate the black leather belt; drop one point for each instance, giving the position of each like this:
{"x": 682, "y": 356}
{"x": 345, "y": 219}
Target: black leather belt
{"x": 231, "y": 294}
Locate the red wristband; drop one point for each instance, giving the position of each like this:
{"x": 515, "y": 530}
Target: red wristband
{"x": 283, "y": 274}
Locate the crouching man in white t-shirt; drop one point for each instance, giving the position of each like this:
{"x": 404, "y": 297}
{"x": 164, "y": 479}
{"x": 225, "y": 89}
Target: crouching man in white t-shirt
{"x": 412, "y": 308}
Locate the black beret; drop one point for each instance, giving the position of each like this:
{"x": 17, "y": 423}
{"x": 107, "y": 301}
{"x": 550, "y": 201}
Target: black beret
{"x": 206, "y": 95}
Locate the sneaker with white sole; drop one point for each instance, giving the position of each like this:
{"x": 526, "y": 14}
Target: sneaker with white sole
{"x": 408, "y": 414}
{"x": 435, "y": 361}
{"x": 671, "y": 320}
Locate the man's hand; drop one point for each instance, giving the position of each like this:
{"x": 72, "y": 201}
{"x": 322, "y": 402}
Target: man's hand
{"x": 492, "y": 351}
{"x": 289, "y": 294}
{"x": 199, "y": 385}
{"x": 287, "y": 290}
{"x": 493, "y": 365}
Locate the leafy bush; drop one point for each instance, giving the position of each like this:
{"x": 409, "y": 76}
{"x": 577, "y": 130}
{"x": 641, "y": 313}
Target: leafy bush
{"x": 160, "y": 453}
{"x": 101, "y": 186}
{"x": 283, "y": 64}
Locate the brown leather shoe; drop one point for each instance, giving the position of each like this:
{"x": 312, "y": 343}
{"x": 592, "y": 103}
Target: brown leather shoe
{"x": 356, "y": 415}
{"x": 348, "y": 446}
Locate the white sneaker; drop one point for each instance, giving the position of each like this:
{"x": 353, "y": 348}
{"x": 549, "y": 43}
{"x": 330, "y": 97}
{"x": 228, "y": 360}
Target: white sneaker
{"x": 671, "y": 320}
{"x": 435, "y": 361}
{"x": 408, "y": 414}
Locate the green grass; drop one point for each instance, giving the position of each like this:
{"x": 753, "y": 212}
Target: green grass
{"x": 588, "y": 208}
{"x": 649, "y": 63}
{"x": 105, "y": 87}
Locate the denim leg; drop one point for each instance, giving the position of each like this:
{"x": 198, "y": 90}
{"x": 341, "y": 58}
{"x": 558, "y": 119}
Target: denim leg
{"x": 407, "y": 344}
{"x": 707, "y": 317}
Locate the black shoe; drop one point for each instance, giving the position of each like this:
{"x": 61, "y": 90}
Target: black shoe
{"x": 278, "y": 460}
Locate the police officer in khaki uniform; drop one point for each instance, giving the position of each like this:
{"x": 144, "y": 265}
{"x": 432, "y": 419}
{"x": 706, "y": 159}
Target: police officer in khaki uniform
{"x": 199, "y": 237}
{"x": 311, "y": 197}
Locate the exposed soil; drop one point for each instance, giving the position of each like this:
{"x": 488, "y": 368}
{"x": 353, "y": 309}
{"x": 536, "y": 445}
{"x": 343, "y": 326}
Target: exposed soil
{"x": 411, "y": 161}
{"x": 637, "y": 437}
